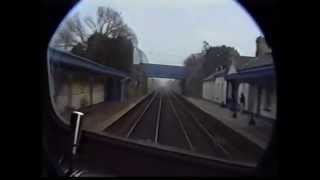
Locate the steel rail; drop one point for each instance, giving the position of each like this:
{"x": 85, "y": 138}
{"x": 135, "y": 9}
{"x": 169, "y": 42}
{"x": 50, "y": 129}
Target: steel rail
{"x": 205, "y": 130}
{"x": 141, "y": 115}
{"x": 181, "y": 125}
{"x": 158, "y": 120}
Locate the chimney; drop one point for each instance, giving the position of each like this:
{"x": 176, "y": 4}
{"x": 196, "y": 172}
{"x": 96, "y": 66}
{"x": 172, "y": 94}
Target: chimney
{"x": 262, "y": 47}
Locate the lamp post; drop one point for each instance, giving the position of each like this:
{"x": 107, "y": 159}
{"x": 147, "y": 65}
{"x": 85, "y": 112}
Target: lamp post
{"x": 75, "y": 121}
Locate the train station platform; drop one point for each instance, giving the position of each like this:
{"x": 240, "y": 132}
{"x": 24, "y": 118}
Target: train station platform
{"x": 259, "y": 134}
{"x": 100, "y": 116}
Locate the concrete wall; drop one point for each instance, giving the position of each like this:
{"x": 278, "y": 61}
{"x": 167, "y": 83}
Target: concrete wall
{"x": 221, "y": 90}
{"x": 61, "y": 98}
{"x": 98, "y": 92}
{"x": 71, "y": 92}
{"x": 215, "y": 90}
{"x": 80, "y": 94}
{"x": 207, "y": 90}
{"x": 272, "y": 109}
{"x": 244, "y": 88}
{"x": 252, "y": 101}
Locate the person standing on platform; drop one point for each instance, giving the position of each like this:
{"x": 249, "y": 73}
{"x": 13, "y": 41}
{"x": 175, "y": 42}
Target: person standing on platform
{"x": 242, "y": 102}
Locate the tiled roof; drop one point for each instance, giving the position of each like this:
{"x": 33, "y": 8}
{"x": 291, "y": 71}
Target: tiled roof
{"x": 258, "y": 62}
{"x": 241, "y": 60}
{"x": 244, "y": 62}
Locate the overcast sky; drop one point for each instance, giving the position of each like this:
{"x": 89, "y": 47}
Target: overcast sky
{"x": 170, "y": 30}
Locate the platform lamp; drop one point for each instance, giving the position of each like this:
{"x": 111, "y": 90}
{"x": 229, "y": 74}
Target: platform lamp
{"x": 76, "y": 123}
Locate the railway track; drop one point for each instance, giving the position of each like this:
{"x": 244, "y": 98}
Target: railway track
{"x": 125, "y": 123}
{"x": 204, "y": 142}
{"x": 165, "y": 118}
{"x": 238, "y": 147}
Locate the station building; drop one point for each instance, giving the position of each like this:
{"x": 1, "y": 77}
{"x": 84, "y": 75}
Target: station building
{"x": 254, "y": 77}
{"x": 79, "y": 82}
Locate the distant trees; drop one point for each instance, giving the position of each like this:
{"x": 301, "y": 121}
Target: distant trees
{"x": 192, "y": 84}
{"x": 205, "y": 47}
{"x": 104, "y": 38}
{"x": 116, "y": 53}
{"x": 198, "y": 66}
{"x": 107, "y": 23}
{"x": 110, "y": 24}
{"x": 71, "y": 33}
{"x": 217, "y": 56}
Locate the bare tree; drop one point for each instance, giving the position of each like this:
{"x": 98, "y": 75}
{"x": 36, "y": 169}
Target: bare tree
{"x": 107, "y": 22}
{"x": 76, "y": 27}
{"x": 64, "y": 38}
{"x": 205, "y": 47}
{"x": 110, "y": 24}
{"x": 71, "y": 33}
{"x": 126, "y": 32}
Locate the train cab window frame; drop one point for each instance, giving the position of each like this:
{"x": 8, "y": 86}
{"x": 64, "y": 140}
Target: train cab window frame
{"x": 135, "y": 146}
